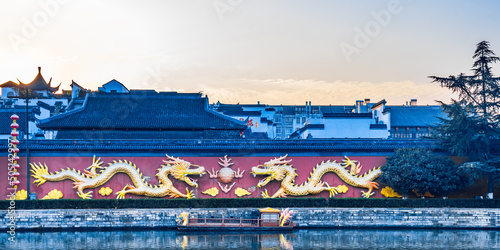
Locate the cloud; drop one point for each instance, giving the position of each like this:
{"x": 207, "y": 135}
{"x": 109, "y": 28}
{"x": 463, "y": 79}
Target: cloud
{"x": 292, "y": 91}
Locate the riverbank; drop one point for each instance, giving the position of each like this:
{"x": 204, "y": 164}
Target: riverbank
{"x": 110, "y": 219}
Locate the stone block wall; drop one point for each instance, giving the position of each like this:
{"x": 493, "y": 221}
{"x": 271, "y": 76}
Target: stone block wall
{"x": 304, "y": 217}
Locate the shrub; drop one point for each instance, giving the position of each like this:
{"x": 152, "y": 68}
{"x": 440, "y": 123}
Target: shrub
{"x": 417, "y": 169}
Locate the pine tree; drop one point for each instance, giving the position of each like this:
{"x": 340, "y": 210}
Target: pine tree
{"x": 472, "y": 129}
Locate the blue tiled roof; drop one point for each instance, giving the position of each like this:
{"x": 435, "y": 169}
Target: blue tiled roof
{"x": 378, "y": 126}
{"x": 142, "y": 110}
{"x": 5, "y": 120}
{"x": 240, "y": 146}
{"x": 348, "y": 115}
{"x": 146, "y": 134}
{"x": 242, "y": 113}
{"x": 416, "y": 116}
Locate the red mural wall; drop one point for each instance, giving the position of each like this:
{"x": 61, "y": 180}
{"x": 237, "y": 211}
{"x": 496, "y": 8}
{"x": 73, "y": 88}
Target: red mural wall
{"x": 149, "y": 165}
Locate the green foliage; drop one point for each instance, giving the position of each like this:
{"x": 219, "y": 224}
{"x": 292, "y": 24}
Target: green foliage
{"x": 458, "y": 133}
{"x": 166, "y": 203}
{"x": 472, "y": 128}
{"x": 413, "y": 203}
{"x": 420, "y": 170}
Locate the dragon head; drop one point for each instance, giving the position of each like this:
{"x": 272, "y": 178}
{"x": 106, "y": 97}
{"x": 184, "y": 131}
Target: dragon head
{"x": 274, "y": 168}
{"x": 180, "y": 169}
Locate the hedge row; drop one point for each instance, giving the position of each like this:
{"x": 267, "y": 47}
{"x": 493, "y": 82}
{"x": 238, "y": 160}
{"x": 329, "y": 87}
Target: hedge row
{"x": 166, "y": 203}
{"x": 249, "y": 202}
{"x": 414, "y": 203}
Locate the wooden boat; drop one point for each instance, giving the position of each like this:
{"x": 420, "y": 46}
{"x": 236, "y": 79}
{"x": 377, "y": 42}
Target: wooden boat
{"x": 270, "y": 219}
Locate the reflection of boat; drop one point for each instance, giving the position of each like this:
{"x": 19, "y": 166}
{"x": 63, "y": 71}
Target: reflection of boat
{"x": 269, "y": 219}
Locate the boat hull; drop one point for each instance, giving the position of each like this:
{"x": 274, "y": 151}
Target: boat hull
{"x": 233, "y": 228}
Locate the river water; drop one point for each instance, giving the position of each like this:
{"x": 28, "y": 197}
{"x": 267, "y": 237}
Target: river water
{"x": 298, "y": 239}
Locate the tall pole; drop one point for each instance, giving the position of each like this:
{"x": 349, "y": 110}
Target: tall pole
{"x": 27, "y": 147}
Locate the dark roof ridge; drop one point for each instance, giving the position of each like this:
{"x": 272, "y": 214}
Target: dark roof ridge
{"x": 114, "y": 80}
{"x": 9, "y": 84}
{"x": 378, "y": 104}
{"x": 225, "y": 116}
{"x": 70, "y": 112}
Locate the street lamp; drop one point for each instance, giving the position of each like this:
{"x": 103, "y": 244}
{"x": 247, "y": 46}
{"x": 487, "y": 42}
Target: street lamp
{"x": 27, "y": 95}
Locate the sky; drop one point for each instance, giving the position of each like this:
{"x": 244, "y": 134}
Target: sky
{"x": 249, "y": 51}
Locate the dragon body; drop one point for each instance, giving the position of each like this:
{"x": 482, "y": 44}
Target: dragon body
{"x": 280, "y": 169}
{"x": 175, "y": 167}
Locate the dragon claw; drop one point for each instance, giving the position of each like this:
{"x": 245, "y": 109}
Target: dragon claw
{"x": 283, "y": 195}
{"x": 333, "y": 191}
{"x": 86, "y": 196}
{"x": 121, "y": 194}
{"x": 78, "y": 184}
{"x": 189, "y": 194}
{"x": 89, "y": 174}
{"x": 265, "y": 194}
{"x": 367, "y": 194}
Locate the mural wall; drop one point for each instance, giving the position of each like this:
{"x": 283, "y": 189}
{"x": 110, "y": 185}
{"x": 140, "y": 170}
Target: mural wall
{"x": 175, "y": 176}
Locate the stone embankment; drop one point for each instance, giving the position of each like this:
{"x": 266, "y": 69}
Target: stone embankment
{"x": 76, "y": 219}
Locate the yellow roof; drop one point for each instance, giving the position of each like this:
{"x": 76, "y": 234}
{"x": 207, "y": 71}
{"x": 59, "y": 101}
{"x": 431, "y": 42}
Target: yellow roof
{"x": 269, "y": 210}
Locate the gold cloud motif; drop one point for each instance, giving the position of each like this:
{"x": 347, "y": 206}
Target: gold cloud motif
{"x": 241, "y": 192}
{"x": 389, "y": 192}
{"x": 21, "y": 195}
{"x": 342, "y": 189}
{"x": 104, "y": 191}
{"x": 211, "y": 191}
{"x": 53, "y": 195}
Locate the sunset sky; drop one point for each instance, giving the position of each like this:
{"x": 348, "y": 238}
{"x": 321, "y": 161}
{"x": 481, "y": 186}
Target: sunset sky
{"x": 244, "y": 51}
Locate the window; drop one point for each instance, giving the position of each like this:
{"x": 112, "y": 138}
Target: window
{"x": 303, "y": 120}
{"x": 289, "y": 119}
{"x": 298, "y": 120}
{"x": 269, "y": 218}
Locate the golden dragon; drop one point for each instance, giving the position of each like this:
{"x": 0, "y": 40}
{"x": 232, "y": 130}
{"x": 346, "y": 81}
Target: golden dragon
{"x": 177, "y": 168}
{"x": 279, "y": 169}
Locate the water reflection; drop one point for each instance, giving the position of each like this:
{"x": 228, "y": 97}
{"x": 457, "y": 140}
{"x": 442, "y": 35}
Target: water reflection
{"x": 300, "y": 239}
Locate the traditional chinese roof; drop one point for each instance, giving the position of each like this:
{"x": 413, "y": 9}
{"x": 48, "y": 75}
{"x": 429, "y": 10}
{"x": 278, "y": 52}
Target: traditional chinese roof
{"x": 143, "y": 110}
{"x": 39, "y": 83}
{"x": 74, "y": 84}
{"x": 234, "y": 147}
{"x": 347, "y": 115}
{"x": 10, "y": 84}
{"x": 5, "y": 120}
{"x": 269, "y": 210}
{"x": 415, "y": 116}
{"x": 376, "y": 105}
{"x": 114, "y": 82}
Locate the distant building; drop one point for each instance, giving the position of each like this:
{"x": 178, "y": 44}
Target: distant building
{"x": 365, "y": 120}
{"x": 115, "y": 112}
{"x": 113, "y": 86}
{"x": 143, "y": 114}
{"x": 257, "y": 117}
{"x": 43, "y": 103}
{"x": 38, "y": 87}
{"x": 413, "y": 122}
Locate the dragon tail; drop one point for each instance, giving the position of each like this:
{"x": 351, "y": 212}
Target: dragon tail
{"x": 41, "y": 174}
{"x": 38, "y": 170}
